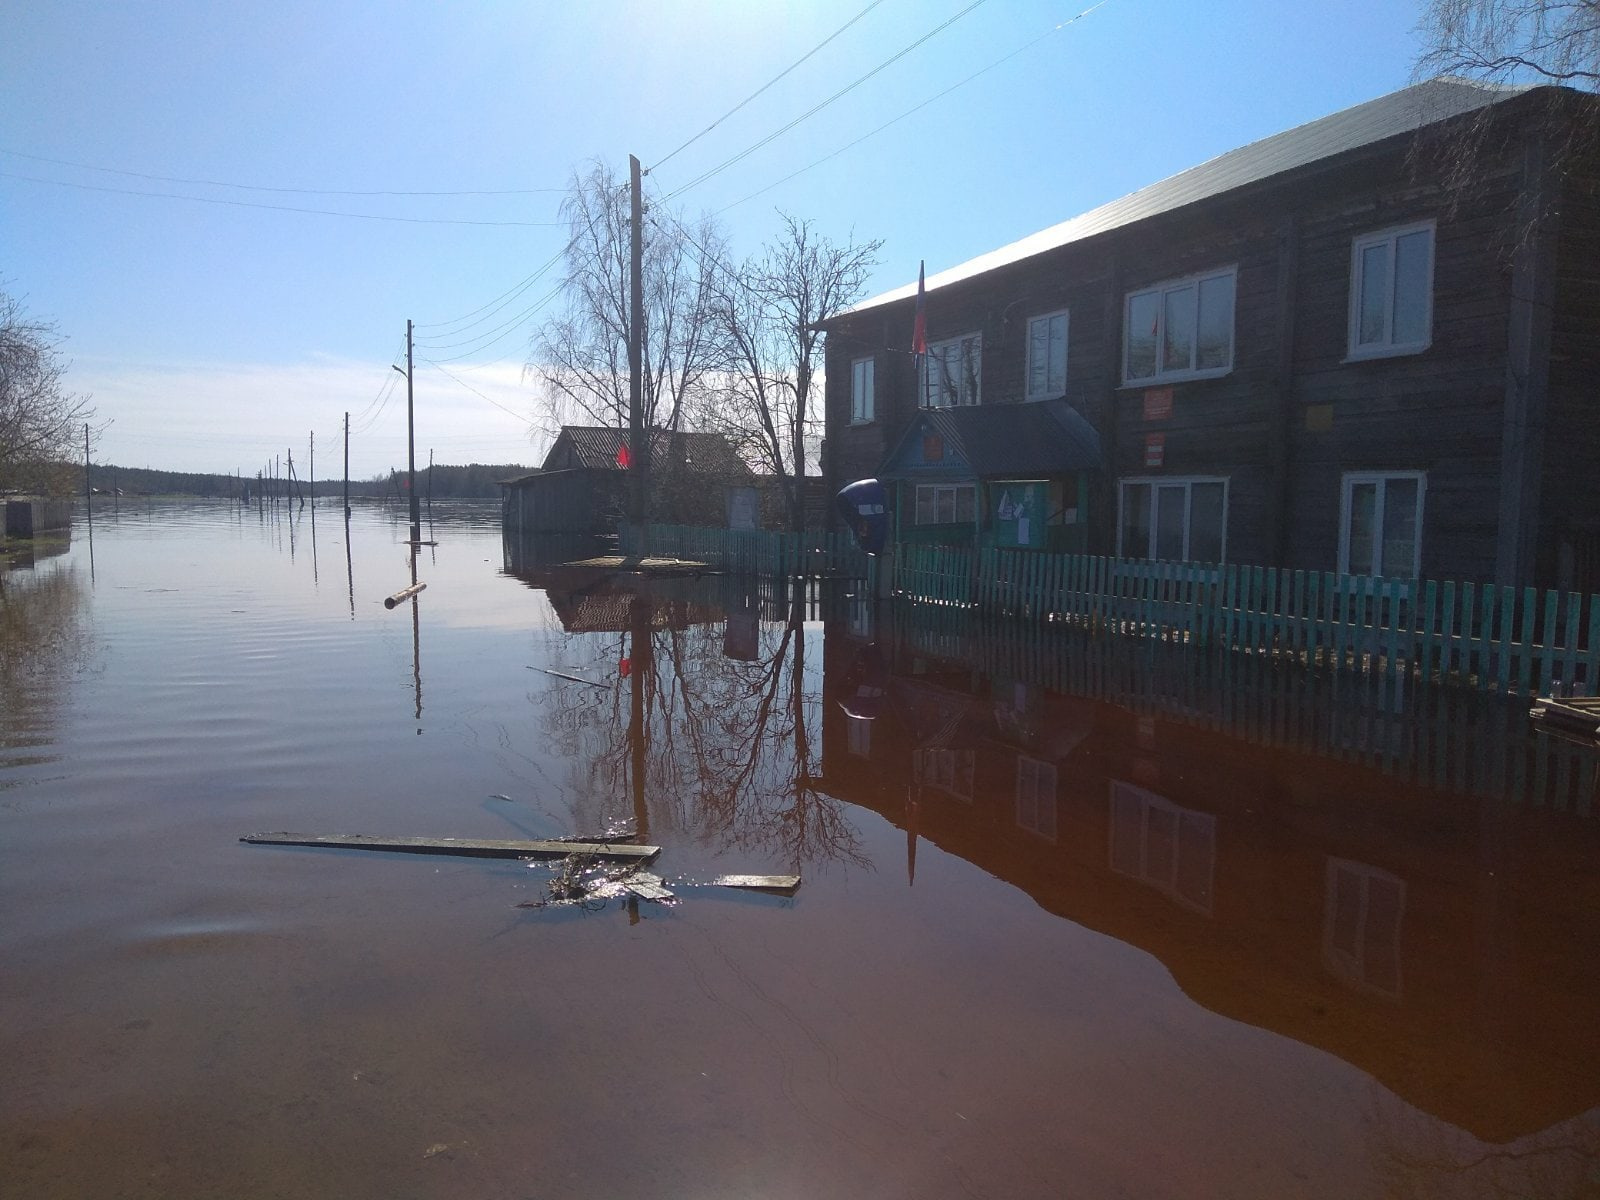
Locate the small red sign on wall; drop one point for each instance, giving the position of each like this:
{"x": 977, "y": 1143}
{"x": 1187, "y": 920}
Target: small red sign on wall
{"x": 1155, "y": 449}
{"x": 1157, "y": 404}
{"x": 932, "y": 448}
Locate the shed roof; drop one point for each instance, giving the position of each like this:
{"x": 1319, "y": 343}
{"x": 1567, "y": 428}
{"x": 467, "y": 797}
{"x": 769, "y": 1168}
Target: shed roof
{"x": 1008, "y": 440}
{"x": 596, "y": 448}
{"x": 1401, "y": 112}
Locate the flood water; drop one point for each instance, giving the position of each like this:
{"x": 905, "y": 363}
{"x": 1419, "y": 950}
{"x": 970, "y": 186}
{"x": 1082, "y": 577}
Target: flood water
{"x": 1078, "y": 919}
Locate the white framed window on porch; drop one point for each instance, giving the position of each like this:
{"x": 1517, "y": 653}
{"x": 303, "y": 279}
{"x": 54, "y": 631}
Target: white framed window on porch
{"x": 947, "y": 503}
{"x": 1363, "y": 913}
{"x": 952, "y": 371}
{"x": 1380, "y": 523}
{"x": 1391, "y": 291}
{"x": 1036, "y": 796}
{"x": 1180, "y": 329}
{"x": 1173, "y": 519}
{"x": 1170, "y": 848}
{"x": 1046, "y": 373}
{"x": 863, "y": 372}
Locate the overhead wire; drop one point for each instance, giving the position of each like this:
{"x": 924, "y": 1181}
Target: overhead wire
{"x": 1026, "y": 46}
{"x": 808, "y": 54}
{"x": 250, "y": 187}
{"x": 475, "y": 391}
{"x": 816, "y": 108}
{"x": 320, "y": 212}
{"x": 498, "y": 303}
{"x": 507, "y": 329}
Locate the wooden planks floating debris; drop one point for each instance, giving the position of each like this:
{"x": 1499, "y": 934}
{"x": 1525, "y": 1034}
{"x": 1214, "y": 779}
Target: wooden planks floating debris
{"x": 759, "y": 883}
{"x": 646, "y": 886}
{"x": 1578, "y": 715}
{"x": 573, "y": 678}
{"x": 467, "y": 847}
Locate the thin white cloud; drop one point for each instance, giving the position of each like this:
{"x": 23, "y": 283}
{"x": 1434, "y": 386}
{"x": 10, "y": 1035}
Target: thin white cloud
{"x": 218, "y": 417}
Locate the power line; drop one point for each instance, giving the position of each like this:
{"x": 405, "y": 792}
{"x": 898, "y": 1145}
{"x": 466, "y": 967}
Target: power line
{"x": 321, "y": 212}
{"x": 1028, "y": 45}
{"x": 507, "y": 329}
{"x": 815, "y": 109}
{"x": 250, "y": 187}
{"x": 475, "y": 391}
{"x": 768, "y": 84}
{"x": 500, "y": 301}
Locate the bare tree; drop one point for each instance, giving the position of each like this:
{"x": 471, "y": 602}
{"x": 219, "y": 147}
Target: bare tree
{"x": 767, "y": 312}
{"x": 39, "y": 417}
{"x": 582, "y": 354}
{"x": 1502, "y": 41}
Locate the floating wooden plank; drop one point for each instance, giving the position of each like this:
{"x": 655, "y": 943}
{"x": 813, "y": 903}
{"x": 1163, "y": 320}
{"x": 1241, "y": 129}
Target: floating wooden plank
{"x": 467, "y": 847}
{"x": 390, "y": 602}
{"x": 572, "y": 678}
{"x": 759, "y": 883}
{"x": 647, "y": 887}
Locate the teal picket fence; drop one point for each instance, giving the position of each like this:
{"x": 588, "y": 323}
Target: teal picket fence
{"x": 1498, "y": 639}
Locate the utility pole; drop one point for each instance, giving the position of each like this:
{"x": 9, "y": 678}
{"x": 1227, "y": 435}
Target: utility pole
{"x": 347, "y": 466}
{"x": 411, "y": 444}
{"x": 430, "y": 486}
{"x": 638, "y": 445}
{"x": 312, "y": 471}
{"x": 88, "y": 492}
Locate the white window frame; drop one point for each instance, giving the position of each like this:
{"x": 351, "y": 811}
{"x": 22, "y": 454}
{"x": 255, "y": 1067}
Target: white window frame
{"x": 1159, "y": 290}
{"x": 858, "y": 736}
{"x": 863, "y": 390}
{"x": 1053, "y": 389}
{"x": 1036, "y": 796}
{"x": 1347, "y": 486}
{"x": 1134, "y": 811}
{"x": 1356, "y": 964}
{"x": 953, "y": 488}
{"x": 945, "y": 770}
{"x": 937, "y": 360}
{"x": 1187, "y": 482}
{"x": 1388, "y": 347}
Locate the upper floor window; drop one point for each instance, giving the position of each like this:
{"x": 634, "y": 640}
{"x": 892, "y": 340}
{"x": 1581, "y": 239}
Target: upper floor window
{"x": 1172, "y": 519}
{"x": 1181, "y": 329}
{"x": 862, "y": 380}
{"x": 1047, "y": 356}
{"x": 951, "y": 371}
{"x": 1391, "y": 291}
{"x": 1380, "y": 527}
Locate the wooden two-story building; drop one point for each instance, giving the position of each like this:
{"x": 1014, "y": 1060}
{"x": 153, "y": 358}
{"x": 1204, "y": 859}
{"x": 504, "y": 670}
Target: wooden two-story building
{"x": 1319, "y": 351}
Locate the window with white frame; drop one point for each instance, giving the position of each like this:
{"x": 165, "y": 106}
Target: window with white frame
{"x": 945, "y": 770}
{"x": 952, "y": 371}
{"x": 1174, "y": 519}
{"x": 1046, "y": 375}
{"x": 1172, "y": 849}
{"x": 1181, "y": 329}
{"x": 946, "y": 503}
{"x": 858, "y": 736}
{"x": 1380, "y": 524}
{"x": 862, "y": 380}
{"x": 1363, "y": 912}
{"x": 1391, "y": 291}
{"x": 1036, "y": 796}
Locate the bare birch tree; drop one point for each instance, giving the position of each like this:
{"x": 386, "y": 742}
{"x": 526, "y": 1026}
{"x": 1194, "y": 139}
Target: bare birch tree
{"x": 581, "y": 355}
{"x": 767, "y": 312}
{"x": 1501, "y": 41}
{"x": 40, "y": 420}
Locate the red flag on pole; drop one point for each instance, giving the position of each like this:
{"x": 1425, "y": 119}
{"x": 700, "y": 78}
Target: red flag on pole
{"x": 624, "y": 459}
{"x": 919, "y": 324}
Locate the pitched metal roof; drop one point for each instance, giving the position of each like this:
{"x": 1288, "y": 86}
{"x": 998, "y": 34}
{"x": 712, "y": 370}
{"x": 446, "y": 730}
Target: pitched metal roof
{"x": 1018, "y": 441}
{"x": 1365, "y": 124}
{"x": 596, "y": 448}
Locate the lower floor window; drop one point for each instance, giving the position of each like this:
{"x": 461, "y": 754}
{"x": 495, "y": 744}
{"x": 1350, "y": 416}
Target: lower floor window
{"x": 1380, "y": 524}
{"x": 1183, "y": 520}
{"x": 946, "y": 504}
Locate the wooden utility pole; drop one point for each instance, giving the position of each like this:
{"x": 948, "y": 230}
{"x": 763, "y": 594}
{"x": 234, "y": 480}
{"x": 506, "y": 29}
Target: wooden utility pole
{"x": 347, "y": 466}
{"x": 311, "y": 470}
{"x": 411, "y": 444}
{"x": 430, "y": 483}
{"x": 638, "y": 444}
{"x": 88, "y": 492}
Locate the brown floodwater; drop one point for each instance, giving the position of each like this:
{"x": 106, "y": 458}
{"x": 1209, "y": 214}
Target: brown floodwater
{"x": 1080, "y": 918}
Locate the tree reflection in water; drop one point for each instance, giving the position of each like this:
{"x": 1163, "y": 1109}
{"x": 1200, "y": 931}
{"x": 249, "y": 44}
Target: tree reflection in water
{"x": 711, "y": 732}
{"x": 42, "y": 642}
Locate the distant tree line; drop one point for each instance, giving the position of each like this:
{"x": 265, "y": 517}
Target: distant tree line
{"x": 473, "y": 481}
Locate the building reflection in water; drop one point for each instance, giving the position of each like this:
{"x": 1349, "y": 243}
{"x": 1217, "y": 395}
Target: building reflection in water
{"x": 1402, "y": 879}
{"x": 43, "y": 641}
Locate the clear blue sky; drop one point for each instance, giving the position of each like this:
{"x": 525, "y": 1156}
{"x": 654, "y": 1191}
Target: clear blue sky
{"x": 214, "y": 336}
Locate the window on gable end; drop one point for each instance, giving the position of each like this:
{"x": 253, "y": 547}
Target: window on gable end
{"x": 863, "y": 373}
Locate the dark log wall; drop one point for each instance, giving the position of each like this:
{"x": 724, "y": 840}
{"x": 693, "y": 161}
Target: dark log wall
{"x": 1294, "y": 415}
